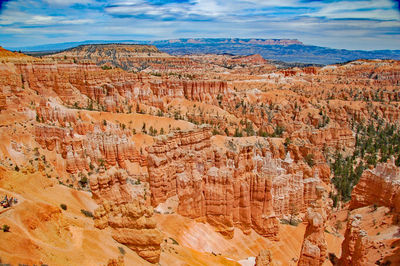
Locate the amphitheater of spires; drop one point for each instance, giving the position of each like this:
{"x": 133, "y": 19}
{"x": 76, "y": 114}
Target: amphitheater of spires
{"x": 122, "y": 154}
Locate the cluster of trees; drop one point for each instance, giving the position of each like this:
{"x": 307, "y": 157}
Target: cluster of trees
{"x": 375, "y": 142}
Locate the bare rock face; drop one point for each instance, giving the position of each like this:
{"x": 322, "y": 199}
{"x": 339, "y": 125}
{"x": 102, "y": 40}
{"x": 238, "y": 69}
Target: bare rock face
{"x": 367, "y": 242}
{"x": 47, "y": 113}
{"x": 380, "y": 186}
{"x": 204, "y": 91}
{"x": 354, "y": 245}
{"x": 116, "y": 262}
{"x": 264, "y": 258}
{"x": 87, "y": 143}
{"x": 314, "y": 248}
{"x": 331, "y": 137}
{"x": 240, "y": 185}
{"x": 130, "y": 219}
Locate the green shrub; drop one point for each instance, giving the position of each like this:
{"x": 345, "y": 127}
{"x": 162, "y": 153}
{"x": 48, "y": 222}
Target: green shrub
{"x": 174, "y": 241}
{"x": 122, "y": 250}
{"x": 87, "y": 213}
{"x": 6, "y": 228}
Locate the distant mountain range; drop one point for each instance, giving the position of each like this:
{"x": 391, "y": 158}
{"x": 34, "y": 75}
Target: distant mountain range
{"x": 287, "y": 50}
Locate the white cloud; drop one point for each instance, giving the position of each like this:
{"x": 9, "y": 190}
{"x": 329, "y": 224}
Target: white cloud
{"x": 10, "y": 18}
{"x": 379, "y": 9}
{"x": 67, "y": 2}
{"x": 344, "y": 24}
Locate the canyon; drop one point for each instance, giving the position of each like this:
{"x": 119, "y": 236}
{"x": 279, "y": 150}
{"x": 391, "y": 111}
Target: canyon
{"x": 133, "y": 156}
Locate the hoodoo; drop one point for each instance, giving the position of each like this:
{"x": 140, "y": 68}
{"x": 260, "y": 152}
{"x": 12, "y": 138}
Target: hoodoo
{"x": 125, "y": 154}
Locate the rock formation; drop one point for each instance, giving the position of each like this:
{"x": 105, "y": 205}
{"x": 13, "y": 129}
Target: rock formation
{"x": 88, "y": 144}
{"x": 377, "y": 187}
{"x": 264, "y": 258}
{"x": 314, "y": 248}
{"x": 130, "y": 219}
{"x": 354, "y": 248}
{"x": 125, "y": 56}
{"x": 240, "y": 185}
{"x": 243, "y": 144}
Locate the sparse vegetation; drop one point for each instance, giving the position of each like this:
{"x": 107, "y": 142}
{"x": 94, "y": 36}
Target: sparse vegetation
{"x": 174, "y": 241}
{"x": 6, "y": 228}
{"x": 87, "y": 213}
{"x": 121, "y": 250}
{"x": 375, "y": 143}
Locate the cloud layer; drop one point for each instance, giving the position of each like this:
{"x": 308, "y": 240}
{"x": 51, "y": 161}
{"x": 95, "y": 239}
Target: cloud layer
{"x": 360, "y": 24}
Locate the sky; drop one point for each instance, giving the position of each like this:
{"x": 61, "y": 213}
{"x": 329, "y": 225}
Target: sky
{"x": 359, "y": 24}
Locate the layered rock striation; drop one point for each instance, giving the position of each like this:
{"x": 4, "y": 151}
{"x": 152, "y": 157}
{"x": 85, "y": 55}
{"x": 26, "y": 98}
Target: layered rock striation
{"x": 239, "y": 185}
{"x": 379, "y": 186}
{"x": 130, "y": 219}
{"x": 88, "y": 145}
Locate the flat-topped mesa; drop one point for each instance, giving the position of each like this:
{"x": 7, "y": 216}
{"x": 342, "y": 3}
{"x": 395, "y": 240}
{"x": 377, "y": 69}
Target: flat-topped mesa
{"x": 125, "y": 56}
{"x": 250, "y": 59}
{"x": 236, "y": 185}
{"x": 275, "y": 41}
{"x": 380, "y": 186}
{"x": 130, "y": 219}
{"x": 98, "y": 51}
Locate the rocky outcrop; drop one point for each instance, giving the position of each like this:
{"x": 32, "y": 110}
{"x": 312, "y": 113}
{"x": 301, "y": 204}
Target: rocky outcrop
{"x": 235, "y": 186}
{"x": 314, "y": 248}
{"x": 379, "y": 186}
{"x": 202, "y": 91}
{"x": 111, "y": 147}
{"x": 354, "y": 246}
{"x": 48, "y": 112}
{"x": 338, "y": 138}
{"x": 130, "y": 219}
{"x": 116, "y": 262}
{"x": 3, "y": 102}
{"x": 264, "y": 258}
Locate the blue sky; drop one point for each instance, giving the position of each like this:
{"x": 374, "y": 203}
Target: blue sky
{"x": 359, "y": 24}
